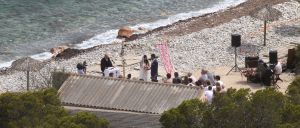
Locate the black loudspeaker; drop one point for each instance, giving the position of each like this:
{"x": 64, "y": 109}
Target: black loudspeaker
{"x": 235, "y": 40}
{"x": 291, "y": 58}
{"x": 251, "y": 62}
{"x": 273, "y": 57}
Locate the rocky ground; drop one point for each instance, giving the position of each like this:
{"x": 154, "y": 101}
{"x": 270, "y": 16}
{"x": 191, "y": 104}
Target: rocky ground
{"x": 202, "y": 42}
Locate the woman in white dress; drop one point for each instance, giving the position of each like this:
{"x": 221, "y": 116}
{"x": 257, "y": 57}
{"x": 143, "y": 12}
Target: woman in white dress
{"x": 142, "y": 67}
{"x": 145, "y": 70}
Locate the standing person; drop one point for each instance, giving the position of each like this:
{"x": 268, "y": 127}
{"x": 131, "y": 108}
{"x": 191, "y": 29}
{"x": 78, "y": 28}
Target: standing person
{"x": 209, "y": 94}
{"x": 145, "y": 69}
{"x": 154, "y": 68}
{"x": 204, "y": 76}
{"x": 278, "y": 71}
{"x": 84, "y": 66}
{"x": 176, "y": 79}
{"x": 142, "y": 67}
{"x": 211, "y": 77}
{"x": 80, "y": 68}
{"x": 105, "y": 63}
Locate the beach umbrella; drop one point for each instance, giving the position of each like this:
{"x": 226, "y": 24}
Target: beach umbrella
{"x": 267, "y": 14}
{"x": 27, "y": 64}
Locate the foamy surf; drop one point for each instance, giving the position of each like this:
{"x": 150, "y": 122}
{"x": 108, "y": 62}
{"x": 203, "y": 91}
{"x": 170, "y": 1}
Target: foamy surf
{"x": 42, "y": 56}
{"x": 110, "y": 36}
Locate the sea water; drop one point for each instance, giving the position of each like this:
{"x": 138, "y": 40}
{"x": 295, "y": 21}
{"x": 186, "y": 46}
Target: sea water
{"x": 32, "y": 27}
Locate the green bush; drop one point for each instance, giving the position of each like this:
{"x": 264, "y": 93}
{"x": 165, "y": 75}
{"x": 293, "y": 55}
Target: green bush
{"x": 266, "y": 108}
{"x": 297, "y": 60}
{"x": 42, "y": 109}
{"x": 293, "y": 91}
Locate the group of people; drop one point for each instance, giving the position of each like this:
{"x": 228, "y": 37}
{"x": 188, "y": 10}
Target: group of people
{"x": 211, "y": 83}
{"x": 266, "y": 74}
{"x": 146, "y": 68}
{"x": 208, "y": 81}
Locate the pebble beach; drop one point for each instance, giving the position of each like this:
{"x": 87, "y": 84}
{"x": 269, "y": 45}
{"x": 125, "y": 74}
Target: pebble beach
{"x": 190, "y": 49}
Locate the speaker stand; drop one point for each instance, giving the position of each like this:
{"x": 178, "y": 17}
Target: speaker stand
{"x": 236, "y": 67}
{"x": 274, "y": 82}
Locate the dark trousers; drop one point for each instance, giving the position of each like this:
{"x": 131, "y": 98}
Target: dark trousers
{"x": 277, "y": 78}
{"x": 154, "y": 79}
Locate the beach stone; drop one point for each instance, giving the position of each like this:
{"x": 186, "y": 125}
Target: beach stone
{"x": 57, "y": 50}
{"x": 68, "y": 53}
{"x": 125, "y": 32}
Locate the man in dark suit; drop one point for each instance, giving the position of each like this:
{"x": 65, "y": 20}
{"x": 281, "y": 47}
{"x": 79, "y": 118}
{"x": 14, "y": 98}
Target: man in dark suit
{"x": 154, "y": 68}
{"x": 105, "y": 63}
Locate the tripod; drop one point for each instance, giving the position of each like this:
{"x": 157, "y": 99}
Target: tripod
{"x": 274, "y": 82}
{"x": 236, "y": 67}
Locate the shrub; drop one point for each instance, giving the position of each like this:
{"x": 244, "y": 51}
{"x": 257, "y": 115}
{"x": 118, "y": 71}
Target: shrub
{"x": 42, "y": 109}
{"x": 236, "y": 109}
{"x": 293, "y": 91}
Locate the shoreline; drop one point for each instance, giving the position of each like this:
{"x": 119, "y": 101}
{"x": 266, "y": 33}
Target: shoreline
{"x": 202, "y": 23}
{"x": 203, "y": 18}
{"x": 204, "y": 48}
{"x": 42, "y": 56}
{"x": 198, "y": 23}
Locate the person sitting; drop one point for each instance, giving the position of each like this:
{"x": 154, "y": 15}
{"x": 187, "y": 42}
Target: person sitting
{"x": 105, "y": 63}
{"x": 219, "y": 90}
{"x": 206, "y": 85}
{"x": 176, "y": 79}
{"x": 128, "y": 76}
{"x": 191, "y": 82}
{"x": 218, "y": 85}
{"x": 190, "y": 75}
{"x": 185, "y": 80}
{"x": 218, "y": 80}
{"x": 199, "y": 83}
{"x": 278, "y": 71}
{"x": 169, "y": 79}
{"x": 209, "y": 95}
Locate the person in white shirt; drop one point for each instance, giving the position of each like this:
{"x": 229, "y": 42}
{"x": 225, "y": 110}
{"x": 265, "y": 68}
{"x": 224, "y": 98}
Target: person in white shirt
{"x": 209, "y": 94}
{"x": 278, "y": 71}
{"x": 218, "y": 80}
{"x": 190, "y": 75}
{"x": 191, "y": 82}
{"x": 218, "y": 88}
{"x": 169, "y": 79}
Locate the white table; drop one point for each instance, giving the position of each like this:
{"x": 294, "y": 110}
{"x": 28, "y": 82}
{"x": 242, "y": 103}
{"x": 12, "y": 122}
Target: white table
{"x": 114, "y": 70}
